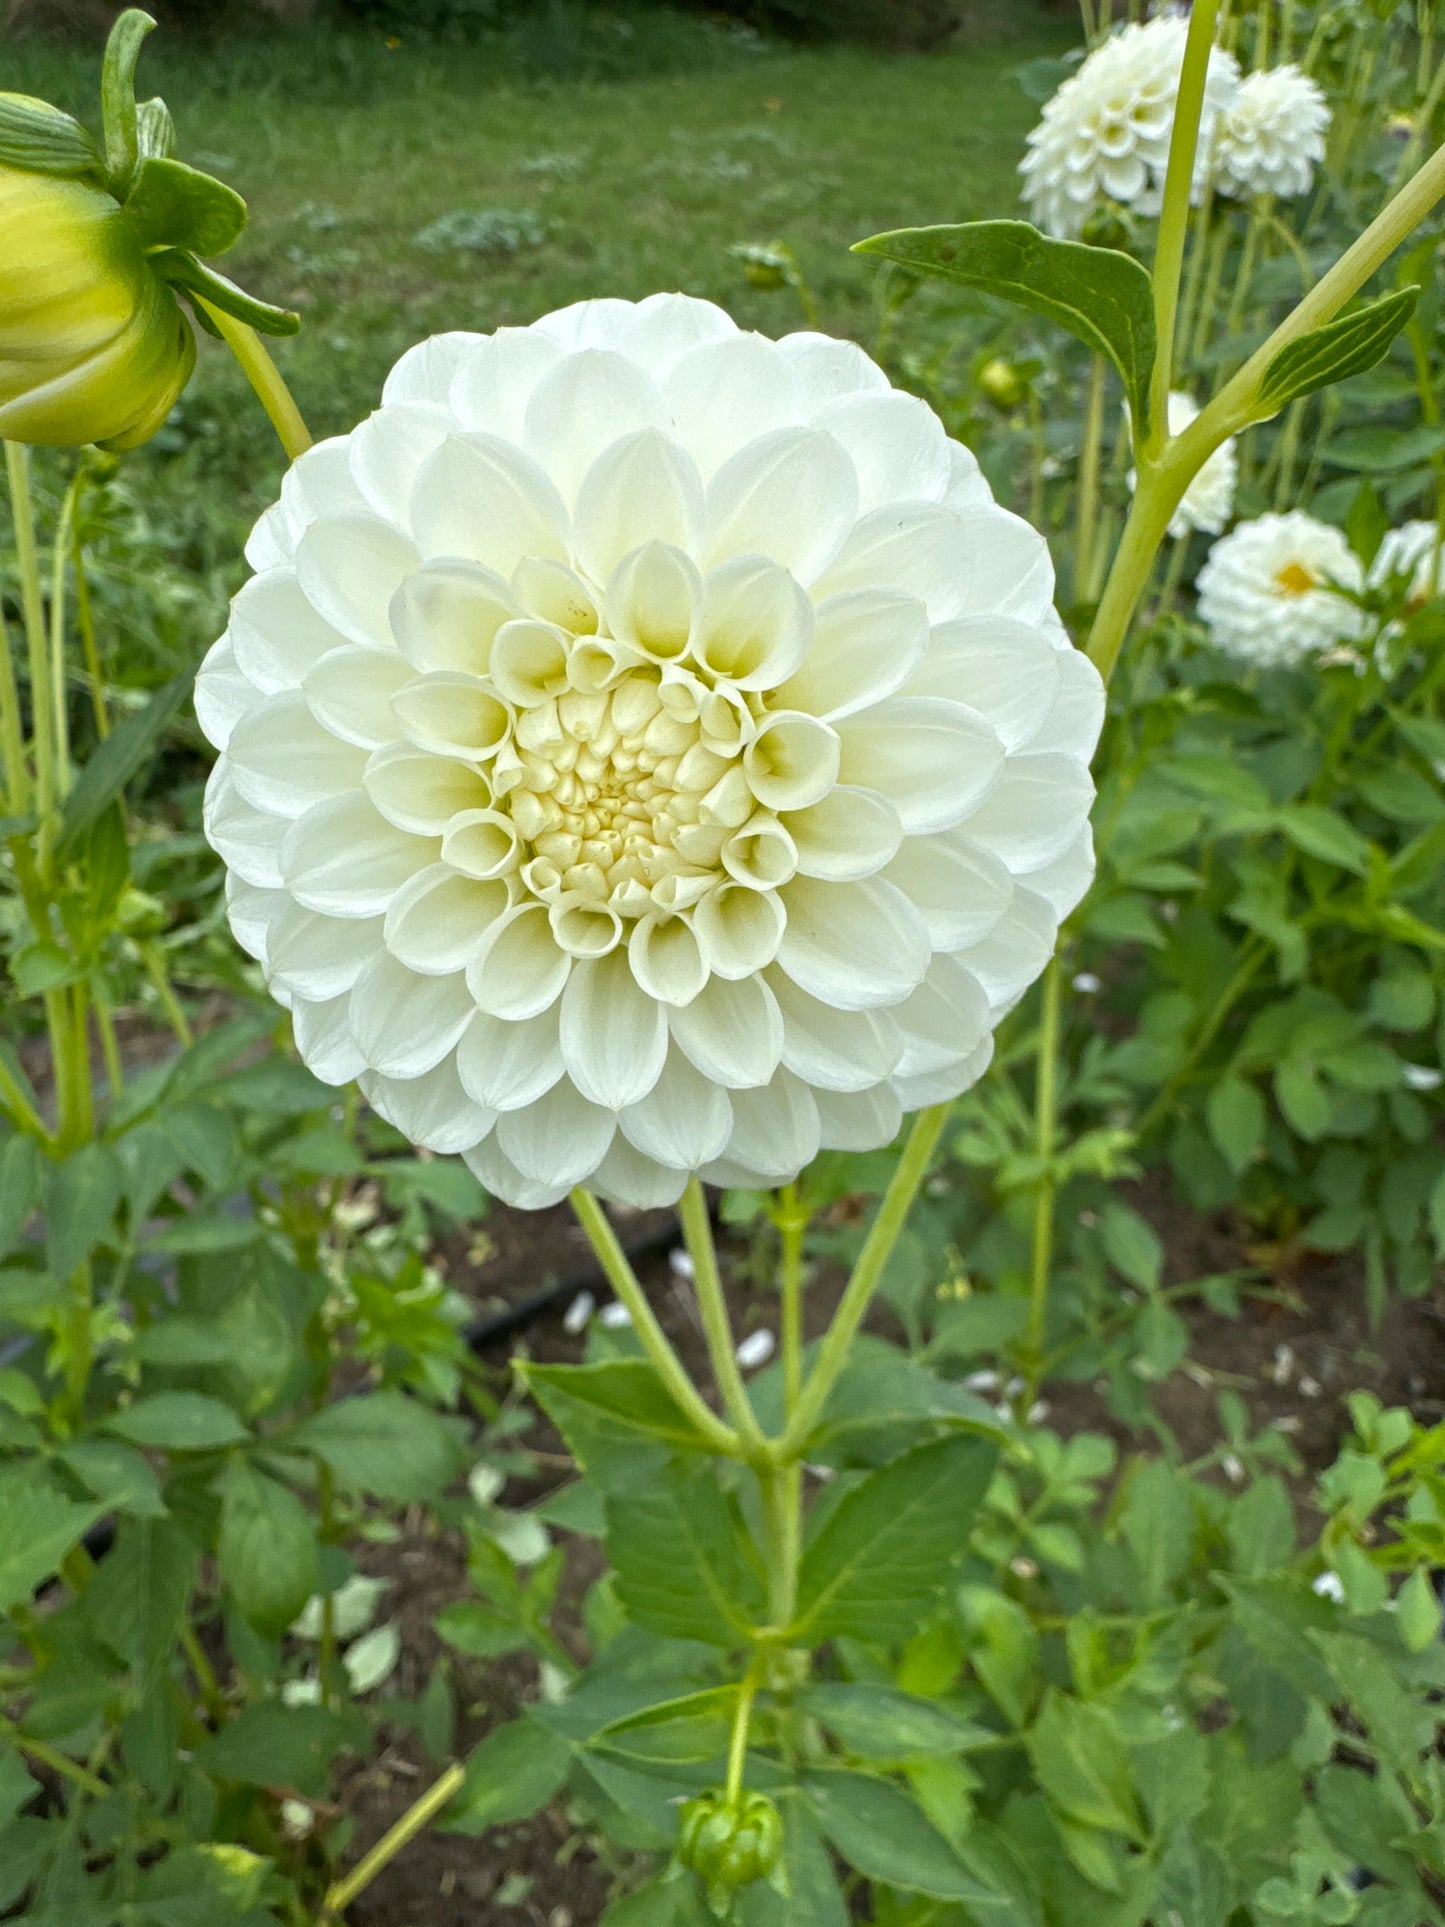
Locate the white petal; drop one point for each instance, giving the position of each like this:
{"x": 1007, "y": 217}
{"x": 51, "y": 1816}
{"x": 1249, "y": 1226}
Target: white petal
{"x": 422, "y": 793}
{"x": 349, "y": 568}
{"x": 614, "y": 1036}
{"x": 559, "y": 1140}
{"x": 522, "y": 969}
{"x": 945, "y": 1018}
{"x": 916, "y": 549}
{"x": 661, "y": 329}
{"x": 438, "y": 920}
{"x": 726, "y": 393}
{"x": 644, "y": 488}
{"x": 529, "y": 662}
{"x": 960, "y": 889}
{"x": 850, "y": 833}
{"x": 897, "y": 445}
{"x": 865, "y": 646}
{"x": 449, "y": 713}
{"x": 344, "y": 859}
{"x": 1072, "y": 725}
{"x": 791, "y": 496}
{"x": 425, "y": 372}
{"x": 223, "y": 695}
{"x": 685, "y": 1120}
{"x": 1015, "y": 951}
{"x": 828, "y": 368}
{"x": 320, "y": 957}
{"x": 246, "y": 839}
{"x": 504, "y": 1065}
{"x": 859, "y": 1120}
{"x": 775, "y": 1128}
{"x": 626, "y": 1177}
{"x": 652, "y": 601}
{"x": 555, "y": 594}
{"x": 323, "y": 1037}
{"x": 601, "y": 322}
{"x": 387, "y": 450}
{"x": 732, "y": 1031}
{"x": 1033, "y": 812}
{"x": 272, "y": 542}
{"x": 481, "y": 844}
{"x": 967, "y": 486}
{"x": 276, "y": 633}
{"x": 738, "y": 929}
{"x": 840, "y": 1050}
{"x": 1064, "y": 882}
{"x": 253, "y": 915}
{"x": 446, "y": 614}
{"x": 756, "y": 624}
{"x": 1003, "y": 668}
{"x": 405, "y": 1024}
{"x": 942, "y": 1086}
{"x": 502, "y": 1178}
{"x": 498, "y": 376}
{"x": 284, "y": 761}
{"x": 933, "y": 760}
{"x": 1013, "y": 572}
{"x": 793, "y": 760}
{"x": 853, "y": 945}
{"x": 351, "y": 691}
{"x": 483, "y": 500}
{"x": 667, "y": 958}
{"x": 431, "y": 1110}
{"x": 582, "y": 406}
{"x": 319, "y": 483}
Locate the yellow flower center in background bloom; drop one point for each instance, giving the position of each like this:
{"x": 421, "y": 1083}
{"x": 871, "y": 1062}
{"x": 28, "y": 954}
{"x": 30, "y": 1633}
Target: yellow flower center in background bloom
{"x": 1295, "y": 579}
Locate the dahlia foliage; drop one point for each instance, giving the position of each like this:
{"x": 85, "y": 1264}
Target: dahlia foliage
{"x": 1271, "y": 591}
{"x": 647, "y": 748}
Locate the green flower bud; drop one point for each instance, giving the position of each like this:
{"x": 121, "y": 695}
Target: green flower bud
{"x": 1002, "y": 384}
{"x": 730, "y": 1847}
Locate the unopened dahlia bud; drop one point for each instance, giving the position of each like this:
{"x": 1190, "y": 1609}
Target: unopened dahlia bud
{"x": 729, "y": 1847}
{"x": 1002, "y": 384}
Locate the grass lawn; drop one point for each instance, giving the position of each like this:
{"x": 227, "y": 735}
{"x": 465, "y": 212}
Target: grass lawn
{"x": 689, "y": 139}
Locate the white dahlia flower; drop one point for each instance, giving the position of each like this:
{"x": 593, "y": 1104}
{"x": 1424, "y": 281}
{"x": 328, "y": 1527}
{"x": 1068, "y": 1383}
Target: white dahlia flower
{"x": 1413, "y": 551}
{"x": 1105, "y": 134}
{"x": 1266, "y": 594}
{"x": 1208, "y": 501}
{"x": 647, "y": 748}
{"x": 1271, "y": 137}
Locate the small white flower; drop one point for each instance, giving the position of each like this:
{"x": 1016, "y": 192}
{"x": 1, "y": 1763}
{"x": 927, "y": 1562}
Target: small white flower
{"x": 485, "y": 1482}
{"x": 1104, "y": 136}
{"x": 1271, "y": 136}
{"x": 615, "y": 1317}
{"x": 756, "y": 1349}
{"x": 647, "y": 748}
{"x": 579, "y": 1313}
{"x": 1413, "y": 552}
{"x": 1422, "y": 1077}
{"x": 1265, "y": 594}
{"x": 1208, "y": 502}
{"x": 1329, "y": 1585}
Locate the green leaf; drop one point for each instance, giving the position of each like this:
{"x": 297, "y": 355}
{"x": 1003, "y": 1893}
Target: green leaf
{"x": 1346, "y": 346}
{"x": 1104, "y": 297}
{"x": 516, "y": 1770}
{"x": 1419, "y": 1608}
{"x": 881, "y": 1723}
{"x": 1303, "y": 1099}
{"x": 811, "y": 1896}
{"x": 877, "y": 1563}
{"x": 271, "y": 1745}
{"x": 1322, "y": 833}
{"x": 1132, "y": 1245}
{"x": 685, "y": 1566}
{"x": 117, "y": 759}
{"x": 1385, "y": 451}
{"x": 183, "y": 271}
{"x": 478, "y": 1630}
{"x": 605, "y": 1412}
{"x": 172, "y": 205}
{"x": 882, "y": 1832}
{"x": 1083, "y": 1766}
{"x": 38, "y": 1526}
{"x": 81, "y": 1202}
{"x": 37, "y": 138}
{"x": 19, "y": 1188}
{"x": 117, "y": 1475}
{"x": 694, "y": 1728}
{"x": 267, "y": 1549}
{"x": 137, "y": 1601}
{"x": 384, "y": 1443}
{"x": 1237, "y": 1115}
{"x": 178, "y": 1422}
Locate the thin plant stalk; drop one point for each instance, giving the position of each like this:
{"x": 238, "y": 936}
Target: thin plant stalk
{"x": 1046, "y": 1122}
{"x": 738, "y": 1743}
{"x": 264, "y": 376}
{"x": 63, "y": 544}
{"x": 85, "y": 622}
{"x": 13, "y": 767}
{"x": 791, "y": 1217}
{"x": 1090, "y": 458}
{"x": 697, "y": 1231}
{"x": 32, "y": 603}
{"x": 417, "y": 1816}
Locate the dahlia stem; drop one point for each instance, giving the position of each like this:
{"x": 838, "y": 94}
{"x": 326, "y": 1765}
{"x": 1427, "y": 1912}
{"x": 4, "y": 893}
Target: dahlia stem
{"x": 32, "y": 603}
{"x": 12, "y": 742}
{"x": 791, "y": 1216}
{"x": 742, "y": 1719}
{"x": 421, "y": 1814}
{"x": 877, "y": 1250}
{"x": 1046, "y": 1121}
{"x": 85, "y": 622}
{"x": 697, "y": 1231}
{"x": 264, "y": 376}
{"x": 1087, "y": 508}
{"x": 59, "y": 565}
{"x": 668, "y": 1366}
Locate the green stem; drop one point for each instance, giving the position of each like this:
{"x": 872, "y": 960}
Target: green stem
{"x": 791, "y": 1217}
{"x": 155, "y": 967}
{"x": 27, "y": 558}
{"x": 668, "y": 1366}
{"x": 50, "y": 1756}
{"x": 1251, "y": 958}
{"x": 77, "y": 1343}
{"x": 109, "y": 1048}
{"x": 1087, "y": 510}
{"x": 1046, "y": 1113}
{"x": 782, "y": 1495}
{"x": 877, "y": 1250}
{"x": 60, "y": 562}
{"x": 707, "y": 1281}
{"x": 85, "y": 622}
{"x": 212, "y": 1696}
{"x": 264, "y": 376}
{"x": 418, "y": 1816}
{"x": 12, "y": 742}
{"x": 742, "y": 1719}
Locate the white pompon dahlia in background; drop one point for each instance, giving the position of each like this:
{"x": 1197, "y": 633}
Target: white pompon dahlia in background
{"x": 1104, "y": 135}
{"x": 647, "y": 748}
{"x": 1412, "y": 552}
{"x": 1271, "y": 137}
{"x": 1267, "y": 592}
{"x": 1208, "y": 502}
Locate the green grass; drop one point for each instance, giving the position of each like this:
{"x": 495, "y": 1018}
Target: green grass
{"x": 664, "y": 146}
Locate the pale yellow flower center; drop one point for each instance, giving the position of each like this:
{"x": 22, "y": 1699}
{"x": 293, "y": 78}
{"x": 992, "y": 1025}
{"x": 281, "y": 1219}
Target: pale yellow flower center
{"x": 1296, "y": 579}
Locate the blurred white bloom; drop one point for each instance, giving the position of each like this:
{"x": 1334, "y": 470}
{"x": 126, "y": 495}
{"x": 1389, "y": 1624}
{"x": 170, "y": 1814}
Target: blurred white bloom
{"x": 648, "y": 748}
{"x": 1264, "y": 592}
{"x": 1271, "y": 137}
{"x": 484, "y": 1482}
{"x": 1414, "y": 552}
{"x": 372, "y": 1660}
{"x": 1329, "y": 1585}
{"x": 353, "y": 1607}
{"x": 756, "y": 1349}
{"x": 1422, "y": 1077}
{"x": 1104, "y": 136}
{"x": 1209, "y": 499}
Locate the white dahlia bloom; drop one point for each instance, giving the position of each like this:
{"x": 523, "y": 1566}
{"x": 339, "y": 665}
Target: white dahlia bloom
{"x": 647, "y": 748}
{"x": 1208, "y": 501}
{"x": 1105, "y": 134}
{"x": 1413, "y": 551}
{"x": 1271, "y": 137}
{"x": 1265, "y": 593}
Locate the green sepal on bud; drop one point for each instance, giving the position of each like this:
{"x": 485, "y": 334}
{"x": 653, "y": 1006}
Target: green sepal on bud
{"x": 95, "y": 243}
{"x": 729, "y": 1845}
